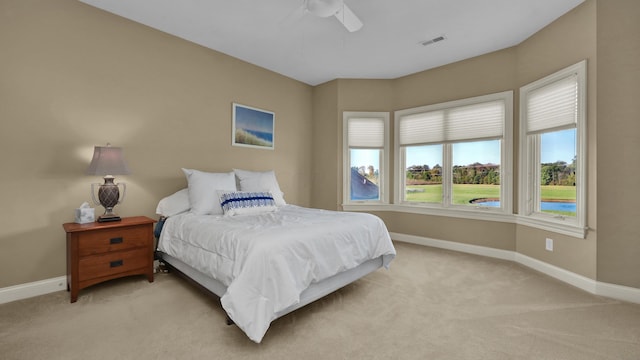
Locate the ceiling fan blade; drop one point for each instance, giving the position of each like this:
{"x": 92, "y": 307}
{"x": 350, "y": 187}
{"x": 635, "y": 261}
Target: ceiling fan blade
{"x": 348, "y": 18}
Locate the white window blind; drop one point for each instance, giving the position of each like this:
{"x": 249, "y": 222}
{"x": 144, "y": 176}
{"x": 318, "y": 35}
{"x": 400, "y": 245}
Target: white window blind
{"x": 422, "y": 128}
{"x": 553, "y": 106}
{"x": 469, "y": 122}
{"x": 365, "y": 132}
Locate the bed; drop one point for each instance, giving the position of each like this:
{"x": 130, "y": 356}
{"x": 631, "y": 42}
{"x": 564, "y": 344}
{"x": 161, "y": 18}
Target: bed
{"x": 263, "y": 257}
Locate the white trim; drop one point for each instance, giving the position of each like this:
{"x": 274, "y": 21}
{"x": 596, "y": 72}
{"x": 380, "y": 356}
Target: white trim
{"x": 579, "y": 281}
{"x": 618, "y": 292}
{"x": 553, "y": 226}
{"x": 32, "y": 289}
{"x": 528, "y": 193}
{"x": 475, "y": 213}
{"x": 455, "y": 246}
{"x": 506, "y": 156}
{"x": 346, "y": 160}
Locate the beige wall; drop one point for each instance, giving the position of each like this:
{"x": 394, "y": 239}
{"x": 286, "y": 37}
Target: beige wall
{"x": 618, "y": 142}
{"x": 362, "y": 95}
{"x": 326, "y": 142}
{"x": 566, "y": 41}
{"x": 329, "y": 101}
{"x": 486, "y": 74}
{"x": 72, "y": 76}
{"x": 66, "y": 69}
{"x": 605, "y": 33}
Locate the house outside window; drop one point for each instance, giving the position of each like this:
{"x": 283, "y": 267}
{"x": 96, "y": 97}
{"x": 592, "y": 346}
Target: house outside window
{"x": 553, "y": 152}
{"x": 456, "y": 155}
{"x": 365, "y": 157}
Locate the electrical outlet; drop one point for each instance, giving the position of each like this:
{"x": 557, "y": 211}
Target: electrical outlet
{"x": 549, "y": 244}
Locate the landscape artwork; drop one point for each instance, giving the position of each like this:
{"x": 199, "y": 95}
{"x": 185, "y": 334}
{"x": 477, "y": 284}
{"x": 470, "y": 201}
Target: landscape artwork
{"x": 253, "y": 127}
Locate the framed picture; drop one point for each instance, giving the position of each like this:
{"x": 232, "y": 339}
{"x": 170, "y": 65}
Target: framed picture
{"x": 253, "y": 127}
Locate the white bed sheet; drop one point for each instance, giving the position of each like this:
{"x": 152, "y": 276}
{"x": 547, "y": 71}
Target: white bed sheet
{"x": 267, "y": 260}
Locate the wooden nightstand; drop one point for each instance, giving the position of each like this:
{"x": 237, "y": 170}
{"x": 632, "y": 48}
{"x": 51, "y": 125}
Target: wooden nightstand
{"x": 98, "y": 252}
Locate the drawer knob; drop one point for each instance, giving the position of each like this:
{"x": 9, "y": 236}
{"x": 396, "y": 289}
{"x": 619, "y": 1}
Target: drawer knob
{"x": 116, "y": 263}
{"x": 117, "y": 240}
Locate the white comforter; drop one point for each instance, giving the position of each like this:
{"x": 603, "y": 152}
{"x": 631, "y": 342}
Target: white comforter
{"x": 267, "y": 260}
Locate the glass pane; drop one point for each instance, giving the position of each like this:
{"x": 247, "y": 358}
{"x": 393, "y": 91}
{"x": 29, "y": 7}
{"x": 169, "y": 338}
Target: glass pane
{"x": 365, "y": 174}
{"x": 476, "y": 173}
{"x": 423, "y": 175}
{"x": 558, "y": 172}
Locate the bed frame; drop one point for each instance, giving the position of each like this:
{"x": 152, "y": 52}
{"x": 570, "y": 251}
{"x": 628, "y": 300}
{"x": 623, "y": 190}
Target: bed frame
{"x": 314, "y": 292}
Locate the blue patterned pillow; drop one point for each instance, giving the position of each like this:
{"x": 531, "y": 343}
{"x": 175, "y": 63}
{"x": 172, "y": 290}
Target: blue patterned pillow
{"x": 246, "y": 202}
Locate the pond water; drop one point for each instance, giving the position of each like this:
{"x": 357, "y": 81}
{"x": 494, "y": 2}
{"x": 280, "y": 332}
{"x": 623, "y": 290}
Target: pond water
{"x": 545, "y": 205}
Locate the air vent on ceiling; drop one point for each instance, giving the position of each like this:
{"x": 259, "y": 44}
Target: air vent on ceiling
{"x": 433, "y": 41}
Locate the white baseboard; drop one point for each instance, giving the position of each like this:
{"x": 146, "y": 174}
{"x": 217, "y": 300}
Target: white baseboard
{"x": 455, "y": 246}
{"x": 571, "y": 278}
{"x": 36, "y": 288}
{"x": 613, "y": 291}
{"x": 618, "y": 292}
{"x": 625, "y": 293}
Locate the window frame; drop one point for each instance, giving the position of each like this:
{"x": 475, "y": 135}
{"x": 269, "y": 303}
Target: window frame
{"x": 346, "y": 158}
{"x": 529, "y": 161}
{"x": 447, "y": 208}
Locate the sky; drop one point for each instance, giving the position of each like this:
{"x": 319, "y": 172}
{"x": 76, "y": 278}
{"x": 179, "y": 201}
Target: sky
{"x": 559, "y": 145}
{"x": 252, "y": 119}
{"x": 556, "y": 146}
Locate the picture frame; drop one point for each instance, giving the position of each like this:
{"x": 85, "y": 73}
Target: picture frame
{"x": 253, "y": 127}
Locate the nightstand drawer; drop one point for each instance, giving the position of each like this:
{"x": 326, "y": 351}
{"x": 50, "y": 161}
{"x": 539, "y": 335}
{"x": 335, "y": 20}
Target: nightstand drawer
{"x": 92, "y": 267}
{"x": 107, "y": 240}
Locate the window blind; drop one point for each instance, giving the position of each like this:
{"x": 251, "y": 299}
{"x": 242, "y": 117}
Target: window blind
{"x": 365, "y": 132}
{"x": 553, "y": 106}
{"x": 469, "y": 122}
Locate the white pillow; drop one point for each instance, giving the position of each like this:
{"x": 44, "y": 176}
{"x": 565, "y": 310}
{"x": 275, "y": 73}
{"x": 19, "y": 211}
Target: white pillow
{"x": 203, "y": 190}
{"x": 174, "y": 204}
{"x": 246, "y": 202}
{"x": 261, "y": 181}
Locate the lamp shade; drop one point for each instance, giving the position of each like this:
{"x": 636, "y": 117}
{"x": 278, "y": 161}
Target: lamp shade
{"x": 107, "y": 160}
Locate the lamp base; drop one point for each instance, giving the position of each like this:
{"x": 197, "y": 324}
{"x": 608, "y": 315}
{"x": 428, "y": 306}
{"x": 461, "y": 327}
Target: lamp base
{"x": 109, "y": 218}
{"x": 109, "y": 196}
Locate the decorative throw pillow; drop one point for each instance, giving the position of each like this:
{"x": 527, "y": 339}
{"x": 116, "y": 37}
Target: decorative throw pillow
{"x": 260, "y": 181}
{"x": 246, "y": 202}
{"x": 174, "y": 204}
{"x": 203, "y": 190}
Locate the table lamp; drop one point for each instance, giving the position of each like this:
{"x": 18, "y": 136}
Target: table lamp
{"x": 108, "y": 161}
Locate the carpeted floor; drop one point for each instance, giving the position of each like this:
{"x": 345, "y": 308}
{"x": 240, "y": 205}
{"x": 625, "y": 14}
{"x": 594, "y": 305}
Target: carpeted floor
{"x": 431, "y": 304}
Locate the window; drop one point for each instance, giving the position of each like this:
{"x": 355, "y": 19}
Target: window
{"x": 365, "y": 157}
{"x": 552, "y": 151}
{"x": 455, "y": 155}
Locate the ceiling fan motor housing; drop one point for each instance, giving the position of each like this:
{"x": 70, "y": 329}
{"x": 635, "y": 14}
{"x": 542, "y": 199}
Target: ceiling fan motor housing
{"x": 323, "y": 8}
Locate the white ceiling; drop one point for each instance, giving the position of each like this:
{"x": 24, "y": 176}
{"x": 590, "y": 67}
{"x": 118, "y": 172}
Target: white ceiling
{"x": 272, "y": 35}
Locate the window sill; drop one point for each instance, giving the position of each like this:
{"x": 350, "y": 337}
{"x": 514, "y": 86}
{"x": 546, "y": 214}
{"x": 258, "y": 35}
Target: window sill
{"x": 484, "y": 215}
{"x": 568, "y": 229}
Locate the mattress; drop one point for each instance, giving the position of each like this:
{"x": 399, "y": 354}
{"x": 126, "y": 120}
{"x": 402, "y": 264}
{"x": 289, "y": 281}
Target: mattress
{"x": 266, "y": 261}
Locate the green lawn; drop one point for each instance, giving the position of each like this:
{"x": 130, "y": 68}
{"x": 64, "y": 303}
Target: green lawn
{"x": 463, "y": 193}
{"x": 559, "y": 193}
{"x": 565, "y": 193}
